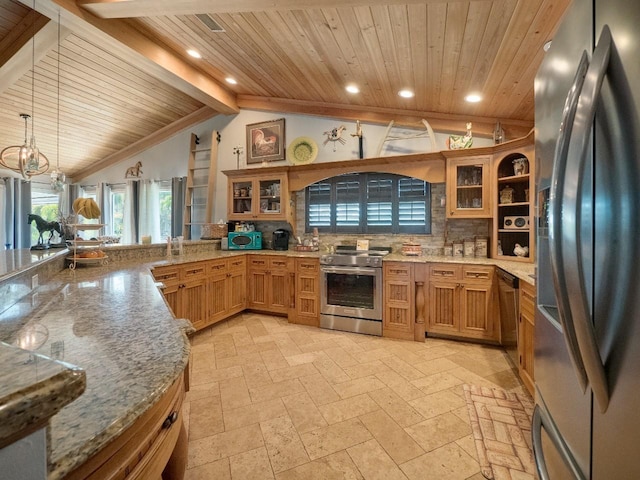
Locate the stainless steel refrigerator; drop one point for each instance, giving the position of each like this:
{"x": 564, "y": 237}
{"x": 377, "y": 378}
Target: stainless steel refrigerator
{"x": 587, "y": 335}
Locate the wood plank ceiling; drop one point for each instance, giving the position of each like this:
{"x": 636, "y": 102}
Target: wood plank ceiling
{"x": 126, "y": 81}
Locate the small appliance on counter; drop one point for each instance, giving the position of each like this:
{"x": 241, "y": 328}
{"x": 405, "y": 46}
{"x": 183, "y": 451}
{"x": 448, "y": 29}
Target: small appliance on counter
{"x": 281, "y": 239}
{"x": 244, "y": 240}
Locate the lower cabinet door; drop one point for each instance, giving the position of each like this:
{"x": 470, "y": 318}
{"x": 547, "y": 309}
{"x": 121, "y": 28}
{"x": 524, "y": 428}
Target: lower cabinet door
{"x": 217, "y": 297}
{"x": 476, "y": 320}
{"x": 193, "y": 302}
{"x": 398, "y": 316}
{"x": 444, "y": 312}
{"x": 258, "y": 284}
{"x": 237, "y": 292}
{"x": 278, "y": 292}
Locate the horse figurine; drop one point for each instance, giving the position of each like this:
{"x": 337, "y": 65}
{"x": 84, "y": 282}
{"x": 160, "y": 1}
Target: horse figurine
{"x": 135, "y": 171}
{"x": 43, "y": 226}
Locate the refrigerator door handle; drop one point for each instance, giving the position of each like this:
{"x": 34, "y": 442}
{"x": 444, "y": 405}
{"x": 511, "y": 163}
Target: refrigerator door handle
{"x": 541, "y": 420}
{"x": 581, "y": 132}
{"x": 556, "y": 207}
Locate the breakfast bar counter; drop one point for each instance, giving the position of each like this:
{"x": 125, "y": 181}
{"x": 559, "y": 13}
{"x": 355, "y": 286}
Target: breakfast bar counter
{"x": 113, "y": 323}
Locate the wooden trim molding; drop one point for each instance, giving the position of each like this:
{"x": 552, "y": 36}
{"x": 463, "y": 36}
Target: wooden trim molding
{"x": 430, "y": 167}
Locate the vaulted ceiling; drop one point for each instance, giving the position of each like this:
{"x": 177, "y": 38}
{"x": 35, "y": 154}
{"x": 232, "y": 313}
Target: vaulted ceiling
{"x": 122, "y": 81}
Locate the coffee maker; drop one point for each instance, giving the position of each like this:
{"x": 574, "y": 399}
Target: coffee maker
{"x": 281, "y": 239}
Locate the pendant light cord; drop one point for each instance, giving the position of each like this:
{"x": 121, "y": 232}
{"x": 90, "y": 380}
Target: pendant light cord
{"x": 58, "y": 116}
{"x": 33, "y": 68}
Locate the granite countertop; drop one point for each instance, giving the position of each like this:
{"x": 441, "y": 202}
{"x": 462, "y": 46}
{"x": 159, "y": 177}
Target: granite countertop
{"x": 113, "y": 323}
{"x": 13, "y": 262}
{"x": 524, "y": 271}
{"x": 29, "y": 379}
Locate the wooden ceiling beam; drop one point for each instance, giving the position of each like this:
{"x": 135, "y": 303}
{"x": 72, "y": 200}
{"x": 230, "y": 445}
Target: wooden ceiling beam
{"x": 17, "y": 53}
{"x": 124, "y": 40}
{"x": 482, "y": 126}
{"x": 149, "y": 141}
{"x": 146, "y": 8}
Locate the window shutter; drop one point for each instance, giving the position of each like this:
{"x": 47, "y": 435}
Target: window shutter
{"x": 347, "y": 204}
{"x": 319, "y": 205}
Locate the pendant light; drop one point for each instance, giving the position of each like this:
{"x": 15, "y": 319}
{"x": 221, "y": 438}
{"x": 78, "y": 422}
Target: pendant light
{"x": 57, "y": 176}
{"x": 27, "y": 159}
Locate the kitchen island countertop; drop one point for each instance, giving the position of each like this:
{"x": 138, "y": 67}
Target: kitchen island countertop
{"x": 113, "y": 323}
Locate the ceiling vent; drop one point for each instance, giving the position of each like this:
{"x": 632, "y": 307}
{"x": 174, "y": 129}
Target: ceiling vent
{"x": 210, "y": 22}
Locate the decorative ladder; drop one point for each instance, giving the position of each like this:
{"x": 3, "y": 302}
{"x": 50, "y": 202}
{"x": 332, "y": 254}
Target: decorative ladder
{"x": 428, "y": 133}
{"x": 199, "y": 195}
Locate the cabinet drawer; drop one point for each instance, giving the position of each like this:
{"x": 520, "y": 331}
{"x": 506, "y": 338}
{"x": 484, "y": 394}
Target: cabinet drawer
{"x": 193, "y": 270}
{"x": 399, "y": 271}
{"x": 217, "y": 267}
{"x": 237, "y": 263}
{"x": 278, "y": 263}
{"x": 164, "y": 274}
{"x": 308, "y": 266}
{"x": 445, "y": 271}
{"x": 478, "y": 273}
{"x": 258, "y": 261}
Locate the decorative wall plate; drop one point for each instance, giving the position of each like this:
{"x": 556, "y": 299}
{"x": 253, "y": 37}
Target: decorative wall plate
{"x": 302, "y": 150}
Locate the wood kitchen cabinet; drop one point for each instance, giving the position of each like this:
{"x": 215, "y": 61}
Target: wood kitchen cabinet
{"x": 268, "y": 283}
{"x": 307, "y": 291}
{"x": 205, "y": 292}
{"x": 185, "y": 291}
{"x": 462, "y": 301}
{"x": 526, "y": 328}
{"x": 468, "y": 187}
{"x": 514, "y": 217}
{"x": 398, "y": 316}
{"x": 226, "y": 287}
{"x": 261, "y": 197}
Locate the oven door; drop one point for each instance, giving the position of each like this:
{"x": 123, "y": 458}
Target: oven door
{"x": 354, "y": 292}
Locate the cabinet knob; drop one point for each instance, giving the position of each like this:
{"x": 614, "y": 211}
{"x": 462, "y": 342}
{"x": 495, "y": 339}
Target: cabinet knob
{"x": 170, "y": 420}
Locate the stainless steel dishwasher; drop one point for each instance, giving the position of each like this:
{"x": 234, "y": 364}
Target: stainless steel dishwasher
{"x": 508, "y": 294}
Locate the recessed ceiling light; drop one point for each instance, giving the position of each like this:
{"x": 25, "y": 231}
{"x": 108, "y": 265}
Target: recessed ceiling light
{"x": 231, "y": 80}
{"x": 473, "y": 98}
{"x": 352, "y": 88}
{"x": 406, "y": 93}
{"x": 194, "y": 53}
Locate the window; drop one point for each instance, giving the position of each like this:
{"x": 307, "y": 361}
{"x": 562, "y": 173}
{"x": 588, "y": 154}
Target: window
{"x": 369, "y": 203}
{"x": 165, "y": 208}
{"x": 44, "y": 203}
{"x": 116, "y": 210}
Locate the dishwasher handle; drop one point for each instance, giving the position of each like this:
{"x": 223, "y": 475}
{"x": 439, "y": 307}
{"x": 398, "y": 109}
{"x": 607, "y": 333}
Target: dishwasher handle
{"x": 506, "y": 277}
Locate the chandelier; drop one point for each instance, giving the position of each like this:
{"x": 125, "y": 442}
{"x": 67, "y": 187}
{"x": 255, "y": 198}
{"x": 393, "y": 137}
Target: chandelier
{"x": 27, "y": 159}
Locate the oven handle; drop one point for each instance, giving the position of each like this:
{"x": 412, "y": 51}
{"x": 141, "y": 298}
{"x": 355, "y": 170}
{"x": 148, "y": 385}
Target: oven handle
{"x": 350, "y": 270}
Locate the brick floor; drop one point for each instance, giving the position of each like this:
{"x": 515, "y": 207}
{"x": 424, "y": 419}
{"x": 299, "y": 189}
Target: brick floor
{"x": 501, "y": 425}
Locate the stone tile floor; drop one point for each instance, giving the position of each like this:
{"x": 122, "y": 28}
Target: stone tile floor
{"x": 271, "y": 400}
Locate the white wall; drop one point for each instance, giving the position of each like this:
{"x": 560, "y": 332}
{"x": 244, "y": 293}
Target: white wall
{"x": 169, "y": 159}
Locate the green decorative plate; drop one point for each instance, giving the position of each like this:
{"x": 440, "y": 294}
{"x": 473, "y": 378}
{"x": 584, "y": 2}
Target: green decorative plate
{"x": 302, "y": 150}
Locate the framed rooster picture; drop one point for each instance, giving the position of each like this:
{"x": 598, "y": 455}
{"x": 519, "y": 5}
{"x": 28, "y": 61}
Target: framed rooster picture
{"x": 265, "y": 141}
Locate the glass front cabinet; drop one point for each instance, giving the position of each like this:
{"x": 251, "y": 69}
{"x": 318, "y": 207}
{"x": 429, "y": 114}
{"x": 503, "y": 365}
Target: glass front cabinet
{"x": 257, "y": 197}
{"x": 468, "y": 187}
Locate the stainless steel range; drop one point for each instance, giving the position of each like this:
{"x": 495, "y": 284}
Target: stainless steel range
{"x": 351, "y": 290}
